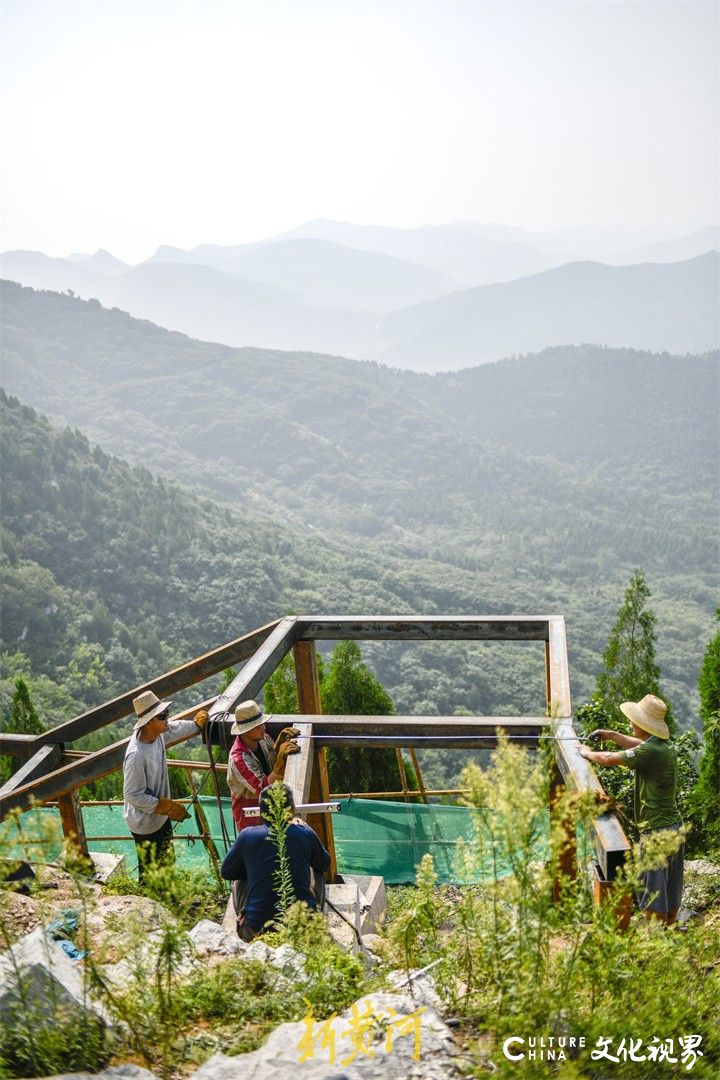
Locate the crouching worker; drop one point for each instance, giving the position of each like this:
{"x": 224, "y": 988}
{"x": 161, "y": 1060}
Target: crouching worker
{"x": 255, "y": 761}
{"x": 146, "y": 784}
{"x": 253, "y": 863}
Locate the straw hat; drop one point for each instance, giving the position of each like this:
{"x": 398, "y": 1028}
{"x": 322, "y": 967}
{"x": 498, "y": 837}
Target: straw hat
{"x": 648, "y": 714}
{"x": 248, "y": 715}
{"x": 146, "y": 706}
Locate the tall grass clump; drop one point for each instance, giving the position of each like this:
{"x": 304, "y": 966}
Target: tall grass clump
{"x": 517, "y": 957}
{"x": 190, "y": 895}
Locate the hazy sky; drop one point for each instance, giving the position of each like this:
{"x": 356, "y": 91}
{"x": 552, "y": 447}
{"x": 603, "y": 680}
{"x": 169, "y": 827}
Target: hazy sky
{"x": 128, "y": 125}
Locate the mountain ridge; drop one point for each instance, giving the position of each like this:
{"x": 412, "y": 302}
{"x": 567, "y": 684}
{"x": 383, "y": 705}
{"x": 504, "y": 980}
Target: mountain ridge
{"x": 658, "y": 307}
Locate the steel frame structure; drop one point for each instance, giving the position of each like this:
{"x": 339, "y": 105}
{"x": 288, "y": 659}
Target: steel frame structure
{"x": 51, "y": 771}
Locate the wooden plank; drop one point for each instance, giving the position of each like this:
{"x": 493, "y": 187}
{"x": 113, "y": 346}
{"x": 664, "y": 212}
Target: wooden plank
{"x": 559, "y": 677}
{"x": 298, "y": 771}
{"x": 258, "y": 669}
{"x": 174, "y": 763}
{"x": 79, "y": 772}
{"x": 548, "y": 688}
{"x": 202, "y": 667}
{"x": 311, "y": 759}
{"x": 403, "y": 774}
{"x": 418, "y": 773}
{"x": 424, "y": 628}
{"x": 322, "y": 823}
{"x": 72, "y": 823}
{"x": 43, "y": 761}
{"x": 609, "y": 839}
{"x": 395, "y": 794}
{"x": 447, "y": 732}
{"x": 306, "y": 677}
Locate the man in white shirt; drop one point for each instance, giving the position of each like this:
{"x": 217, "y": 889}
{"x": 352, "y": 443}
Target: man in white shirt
{"x": 146, "y": 783}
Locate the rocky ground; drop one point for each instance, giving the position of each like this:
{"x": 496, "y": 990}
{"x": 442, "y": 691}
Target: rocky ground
{"x": 374, "y": 1039}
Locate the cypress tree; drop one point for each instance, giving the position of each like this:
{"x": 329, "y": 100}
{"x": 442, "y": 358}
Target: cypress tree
{"x": 630, "y": 670}
{"x": 21, "y": 719}
{"x": 280, "y": 693}
{"x": 350, "y": 687}
{"x": 706, "y": 796}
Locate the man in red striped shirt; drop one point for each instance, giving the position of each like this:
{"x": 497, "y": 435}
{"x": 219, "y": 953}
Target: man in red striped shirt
{"x": 255, "y": 761}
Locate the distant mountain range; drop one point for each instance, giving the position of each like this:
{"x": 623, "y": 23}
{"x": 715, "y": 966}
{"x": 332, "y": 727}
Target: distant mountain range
{"x": 671, "y": 308}
{"x": 537, "y": 483}
{"x": 399, "y": 295}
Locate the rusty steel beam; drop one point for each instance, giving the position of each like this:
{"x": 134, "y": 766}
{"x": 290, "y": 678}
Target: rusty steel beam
{"x": 448, "y": 732}
{"x": 17, "y": 745}
{"x": 202, "y": 667}
{"x": 259, "y": 668}
{"x": 43, "y": 761}
{"x": 74, "y": 773}
{"x": 609, "y": 839}
{"x": 424, "y": 628}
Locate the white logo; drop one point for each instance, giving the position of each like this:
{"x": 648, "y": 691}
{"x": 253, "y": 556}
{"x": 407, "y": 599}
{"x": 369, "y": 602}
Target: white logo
{"x": 551, "y": 1048}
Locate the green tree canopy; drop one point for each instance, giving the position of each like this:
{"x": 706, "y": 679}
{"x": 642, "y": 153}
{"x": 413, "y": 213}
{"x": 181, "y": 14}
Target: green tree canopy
{"x": 21, "y": 719}
{"x": 630, "y": 670}
{"x": 706, "y": 796}
{"x": 280, "y": 693}
{"x": 350, "y": 687}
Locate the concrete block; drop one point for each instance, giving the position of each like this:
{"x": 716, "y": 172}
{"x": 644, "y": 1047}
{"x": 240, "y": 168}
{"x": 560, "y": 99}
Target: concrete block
{"x": 373, "y": 900}
{"x": 229, "y": 920}
{"x": 344, "y": 922}
{"x": 107, "y": 865}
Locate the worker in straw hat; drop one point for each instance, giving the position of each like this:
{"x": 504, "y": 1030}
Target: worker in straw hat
{"x": 654, "y": 760}
{"x": 255, "y": 760}
{"x": 146, "y": 783}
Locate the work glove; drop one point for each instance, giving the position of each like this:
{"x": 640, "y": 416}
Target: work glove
{"x": 285, "y": 750}
{"x": 285, "y": 734}
{"x": 174, "y": 810}
{"x": 201, "y": 718}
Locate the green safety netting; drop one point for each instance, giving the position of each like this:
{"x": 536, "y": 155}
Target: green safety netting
{"x": 371, "y": 837}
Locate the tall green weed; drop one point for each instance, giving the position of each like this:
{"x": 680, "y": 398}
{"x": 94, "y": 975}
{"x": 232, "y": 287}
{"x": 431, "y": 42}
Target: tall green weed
{"x": 514, "y": 960}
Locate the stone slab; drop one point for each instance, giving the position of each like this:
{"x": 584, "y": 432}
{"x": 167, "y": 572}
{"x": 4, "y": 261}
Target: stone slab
{"x": 43, "y": 966}
{"x": 229, "y": 920}
{"x": 210, "y": 938}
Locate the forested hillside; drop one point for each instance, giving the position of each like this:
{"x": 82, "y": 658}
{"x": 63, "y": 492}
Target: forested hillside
{"x": 533, "y": 485}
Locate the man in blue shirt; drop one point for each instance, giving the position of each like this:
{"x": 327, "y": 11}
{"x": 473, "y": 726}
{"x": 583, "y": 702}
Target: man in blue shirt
{"x": 253, "y": 862}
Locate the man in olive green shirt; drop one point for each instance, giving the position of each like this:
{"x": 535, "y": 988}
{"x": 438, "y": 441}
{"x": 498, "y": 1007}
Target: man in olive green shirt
{"x": 654, "y": 761}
